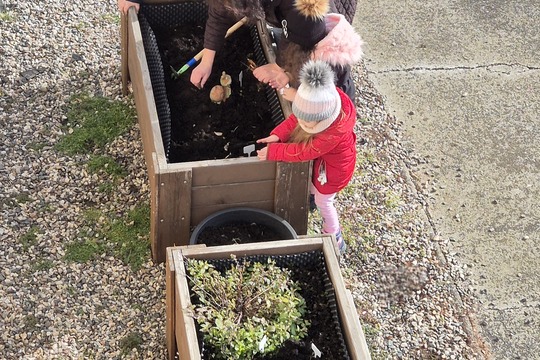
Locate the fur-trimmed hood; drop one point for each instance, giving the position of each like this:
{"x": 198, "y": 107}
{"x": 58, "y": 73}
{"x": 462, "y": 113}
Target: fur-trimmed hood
{"x": 342, "y": 45}
{"x": 315, "y": 9}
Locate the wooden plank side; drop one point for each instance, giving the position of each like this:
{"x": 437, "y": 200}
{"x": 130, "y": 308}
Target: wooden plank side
{"x": 292, "y": 193}
{"x": 199, "y": 213}
{"x": 356, "y": 342}
{"x": 170, "y": 292}
{"x": 230, "y": 193}
{"x": 124, "y": 69}
{"x": 174, "y": 210}
{"x": 153, "y": 171}
{"x": 185, "y": 331}
{"x": 217, "y": 173}
{"x": 142, "y": 91}
{"x": 279, "y": 247}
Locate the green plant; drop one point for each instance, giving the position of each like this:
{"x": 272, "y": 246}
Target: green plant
{"x": 29, "y": 239}
{"x": 83, "y": 251}
{"x": 6, "y": 17}
{"x": 92, "y": 122}
{"x": 106, "y": 164}
{"x": 250, "y": 309}
{"x": 130, "y": 237}
{"x": 131, "y": 341}
{"x": 42, "y": 265}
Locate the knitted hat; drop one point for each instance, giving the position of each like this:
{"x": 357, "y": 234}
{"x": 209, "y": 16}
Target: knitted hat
{"x": 317, "y": 100}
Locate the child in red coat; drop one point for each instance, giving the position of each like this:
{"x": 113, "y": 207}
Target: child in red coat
{"x": 320, "y": 128}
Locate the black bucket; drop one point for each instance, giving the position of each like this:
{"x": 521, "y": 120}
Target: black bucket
{"x": 276, "y": 228}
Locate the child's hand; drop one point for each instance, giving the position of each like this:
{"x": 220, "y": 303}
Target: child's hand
{"x": 263, "y": 153}
{"x": 288, "y": 93}
{"x": 270, "y": 139}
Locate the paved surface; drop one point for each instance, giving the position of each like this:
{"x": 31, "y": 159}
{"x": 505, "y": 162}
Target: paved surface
{"x": 464, "y": 77}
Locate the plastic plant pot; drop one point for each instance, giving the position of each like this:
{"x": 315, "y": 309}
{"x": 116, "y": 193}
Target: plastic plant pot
{"x": 245, "y": 216}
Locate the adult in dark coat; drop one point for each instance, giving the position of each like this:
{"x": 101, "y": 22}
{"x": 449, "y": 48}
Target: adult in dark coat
{"x": 303, "y": 23}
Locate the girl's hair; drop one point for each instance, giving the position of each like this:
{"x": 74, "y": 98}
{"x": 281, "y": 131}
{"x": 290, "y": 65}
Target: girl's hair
{"x": 252, "y": 9}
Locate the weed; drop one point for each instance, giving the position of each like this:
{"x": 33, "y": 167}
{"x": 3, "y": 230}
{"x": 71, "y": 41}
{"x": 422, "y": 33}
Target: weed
{"x": 112, "y": 19}
{"x": 106, "y": 188}
{"x": 130, "y": 237}
{"x": 92, "y": 122}
{"x": 22, "y": 198}
{"x": 42, "y": 265}
{"x": 106, "y": 164}
{"x": 392, "y": 200}
{"x": 30, "y": 238}
{"x": 30, "y": 322}
{"x": 36, "y": 146}
{"x": 6, "y": 17}
{"x": 84, "y": 251}
{"x": 365, "y": 157}
{"x": 129, "y": 342}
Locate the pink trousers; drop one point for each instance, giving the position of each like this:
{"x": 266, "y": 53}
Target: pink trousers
{"x": 325, "y": 204}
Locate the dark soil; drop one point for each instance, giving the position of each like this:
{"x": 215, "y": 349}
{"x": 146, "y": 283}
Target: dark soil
{"x": 201, "y": 129}
{"x": 236, "y": 233}
{"x": 325, "y": 331}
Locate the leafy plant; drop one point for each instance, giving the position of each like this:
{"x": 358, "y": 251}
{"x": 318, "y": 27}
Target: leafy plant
{"x": 250, "y": 309}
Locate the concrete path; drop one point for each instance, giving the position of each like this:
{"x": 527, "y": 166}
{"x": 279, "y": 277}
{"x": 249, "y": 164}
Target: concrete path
{"x": 464, "y": 77}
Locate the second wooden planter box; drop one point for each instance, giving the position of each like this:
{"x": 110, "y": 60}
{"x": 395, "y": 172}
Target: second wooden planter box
{"x": 182, "y": 194}
{"x": 182, "y": 335}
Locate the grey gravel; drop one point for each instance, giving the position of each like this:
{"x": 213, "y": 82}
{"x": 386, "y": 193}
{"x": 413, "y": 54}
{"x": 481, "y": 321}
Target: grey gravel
{"x": 399, "y": 272}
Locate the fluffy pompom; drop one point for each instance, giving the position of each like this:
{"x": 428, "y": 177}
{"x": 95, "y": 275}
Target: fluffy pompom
{"x": 315, "y": 74}
{"x": 313, "y": 8}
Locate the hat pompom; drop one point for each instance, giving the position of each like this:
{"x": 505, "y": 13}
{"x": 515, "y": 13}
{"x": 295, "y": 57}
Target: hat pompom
{"x": 316, "y": 74}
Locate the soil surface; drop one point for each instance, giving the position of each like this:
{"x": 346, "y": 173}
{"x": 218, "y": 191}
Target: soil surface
{"x": 201, "y": 129}
{"x": 237, "y": 233}
{"x": 324, "y": 331}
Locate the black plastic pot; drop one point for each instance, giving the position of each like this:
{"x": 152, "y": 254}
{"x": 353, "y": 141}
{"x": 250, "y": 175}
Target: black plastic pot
{"x": 245, "y": 215}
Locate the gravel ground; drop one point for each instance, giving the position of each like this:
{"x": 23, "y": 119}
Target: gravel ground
{"x": 402, "y": 279}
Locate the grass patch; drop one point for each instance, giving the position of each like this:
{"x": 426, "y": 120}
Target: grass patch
{"x": 30, "y": 238}
{"x": 83, "y": 251}
{"x": 129, "y": 342}
{"x": 92, "y": 122}
{"x": 107, "y": 164}
{"x": 130, "y": 237}
{"x": 127, "y": 238}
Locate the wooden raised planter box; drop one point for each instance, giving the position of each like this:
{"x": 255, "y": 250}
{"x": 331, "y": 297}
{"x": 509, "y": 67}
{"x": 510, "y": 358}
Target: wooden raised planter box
{"x": 183, "y": 194}
{"x": 181, "y": 331}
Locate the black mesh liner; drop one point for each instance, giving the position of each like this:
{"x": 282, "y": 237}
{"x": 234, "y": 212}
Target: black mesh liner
{"x": 154, "y": 17}
{"x": 155, "y": 68}
{"x": 313, "y": 260}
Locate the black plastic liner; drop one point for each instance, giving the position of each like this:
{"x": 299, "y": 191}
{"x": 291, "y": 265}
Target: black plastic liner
{"x": 296, "y": 263}
{"x": 153, "y": 17}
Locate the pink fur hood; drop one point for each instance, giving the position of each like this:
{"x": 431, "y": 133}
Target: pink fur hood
{"x": 342, "y": 45}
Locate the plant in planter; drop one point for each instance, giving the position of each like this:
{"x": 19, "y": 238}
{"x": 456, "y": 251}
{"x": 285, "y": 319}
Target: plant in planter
{"x": 330, "y": 317}
{"x": 251, "y": 309}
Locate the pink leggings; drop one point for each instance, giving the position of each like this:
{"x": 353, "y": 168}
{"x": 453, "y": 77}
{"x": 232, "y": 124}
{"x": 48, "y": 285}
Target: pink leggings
{"x": 325, "y": 204}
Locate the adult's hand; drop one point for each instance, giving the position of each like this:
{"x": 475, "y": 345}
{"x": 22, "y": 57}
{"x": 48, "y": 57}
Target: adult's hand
{"x": 202, "y": 72}
{"x": 124, "y": 5}
{"x": 272, "y": 75}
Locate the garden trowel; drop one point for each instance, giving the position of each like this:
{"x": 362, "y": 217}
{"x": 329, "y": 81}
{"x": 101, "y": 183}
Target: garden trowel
{"x": 196, "y": 58}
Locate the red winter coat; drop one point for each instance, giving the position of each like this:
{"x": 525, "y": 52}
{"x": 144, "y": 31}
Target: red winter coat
{"x": 335, "y": 148}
